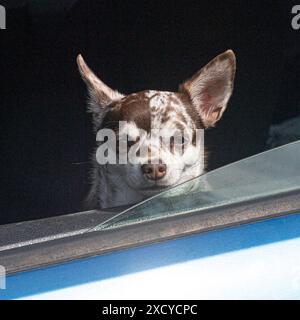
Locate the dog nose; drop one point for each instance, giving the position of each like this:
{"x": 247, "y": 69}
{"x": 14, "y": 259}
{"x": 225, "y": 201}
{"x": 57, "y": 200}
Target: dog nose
{"x": 154, "y": 171}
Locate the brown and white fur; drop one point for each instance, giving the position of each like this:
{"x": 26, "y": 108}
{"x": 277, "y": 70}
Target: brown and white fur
{"x": 199, "y": 103}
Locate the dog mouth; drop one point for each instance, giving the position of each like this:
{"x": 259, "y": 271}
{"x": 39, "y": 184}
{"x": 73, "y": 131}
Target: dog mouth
{"x": 155, "y": 188}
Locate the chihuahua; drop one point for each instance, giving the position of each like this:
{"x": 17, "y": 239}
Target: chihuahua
{"x": 137, "y": 119}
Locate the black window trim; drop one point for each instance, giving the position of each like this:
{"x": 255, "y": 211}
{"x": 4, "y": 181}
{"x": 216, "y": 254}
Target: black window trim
{"x": 66, "y": 247}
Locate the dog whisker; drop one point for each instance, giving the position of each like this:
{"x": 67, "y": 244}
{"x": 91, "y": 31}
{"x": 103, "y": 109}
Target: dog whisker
{"x": 80, "y": 163}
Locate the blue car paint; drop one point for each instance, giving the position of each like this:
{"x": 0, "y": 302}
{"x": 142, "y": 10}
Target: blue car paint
{"x": 199, "y": 250}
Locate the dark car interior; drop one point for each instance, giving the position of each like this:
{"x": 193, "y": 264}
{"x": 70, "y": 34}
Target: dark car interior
{"x": 46, "y": 133}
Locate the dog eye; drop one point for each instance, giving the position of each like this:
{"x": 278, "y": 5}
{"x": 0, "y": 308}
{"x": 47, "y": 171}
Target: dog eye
{"x": 130, "y": 143}
{"x": 178, "y": 143}
{"x": 179, "y": 140}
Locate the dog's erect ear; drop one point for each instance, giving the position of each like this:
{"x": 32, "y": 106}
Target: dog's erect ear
{"x": 211, "y": 87}
{"x": 100, "y": 94}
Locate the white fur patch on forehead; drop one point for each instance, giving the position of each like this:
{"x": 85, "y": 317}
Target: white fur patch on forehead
{"x": 158, "y": 99}
{"x": 166, "y": 108}
{"x": 150, "y": 93}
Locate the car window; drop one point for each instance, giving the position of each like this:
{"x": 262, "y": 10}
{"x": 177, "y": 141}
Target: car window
{"x": 273, "y": 172}
{"x": 48, "y": 136}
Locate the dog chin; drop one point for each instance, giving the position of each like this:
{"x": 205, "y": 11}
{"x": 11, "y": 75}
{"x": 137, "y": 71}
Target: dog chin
{"x": 150, "y": 191}
{"x": 150, "y": 188}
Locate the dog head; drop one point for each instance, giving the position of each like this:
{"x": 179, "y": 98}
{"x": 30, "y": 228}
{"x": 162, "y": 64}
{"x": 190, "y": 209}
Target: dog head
{"x": 159, "y": 129}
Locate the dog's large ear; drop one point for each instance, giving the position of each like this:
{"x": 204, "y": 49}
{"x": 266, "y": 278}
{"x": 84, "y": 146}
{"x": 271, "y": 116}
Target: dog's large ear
{"x": 100, "y": 94}
{"x": 211, "y": 87}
